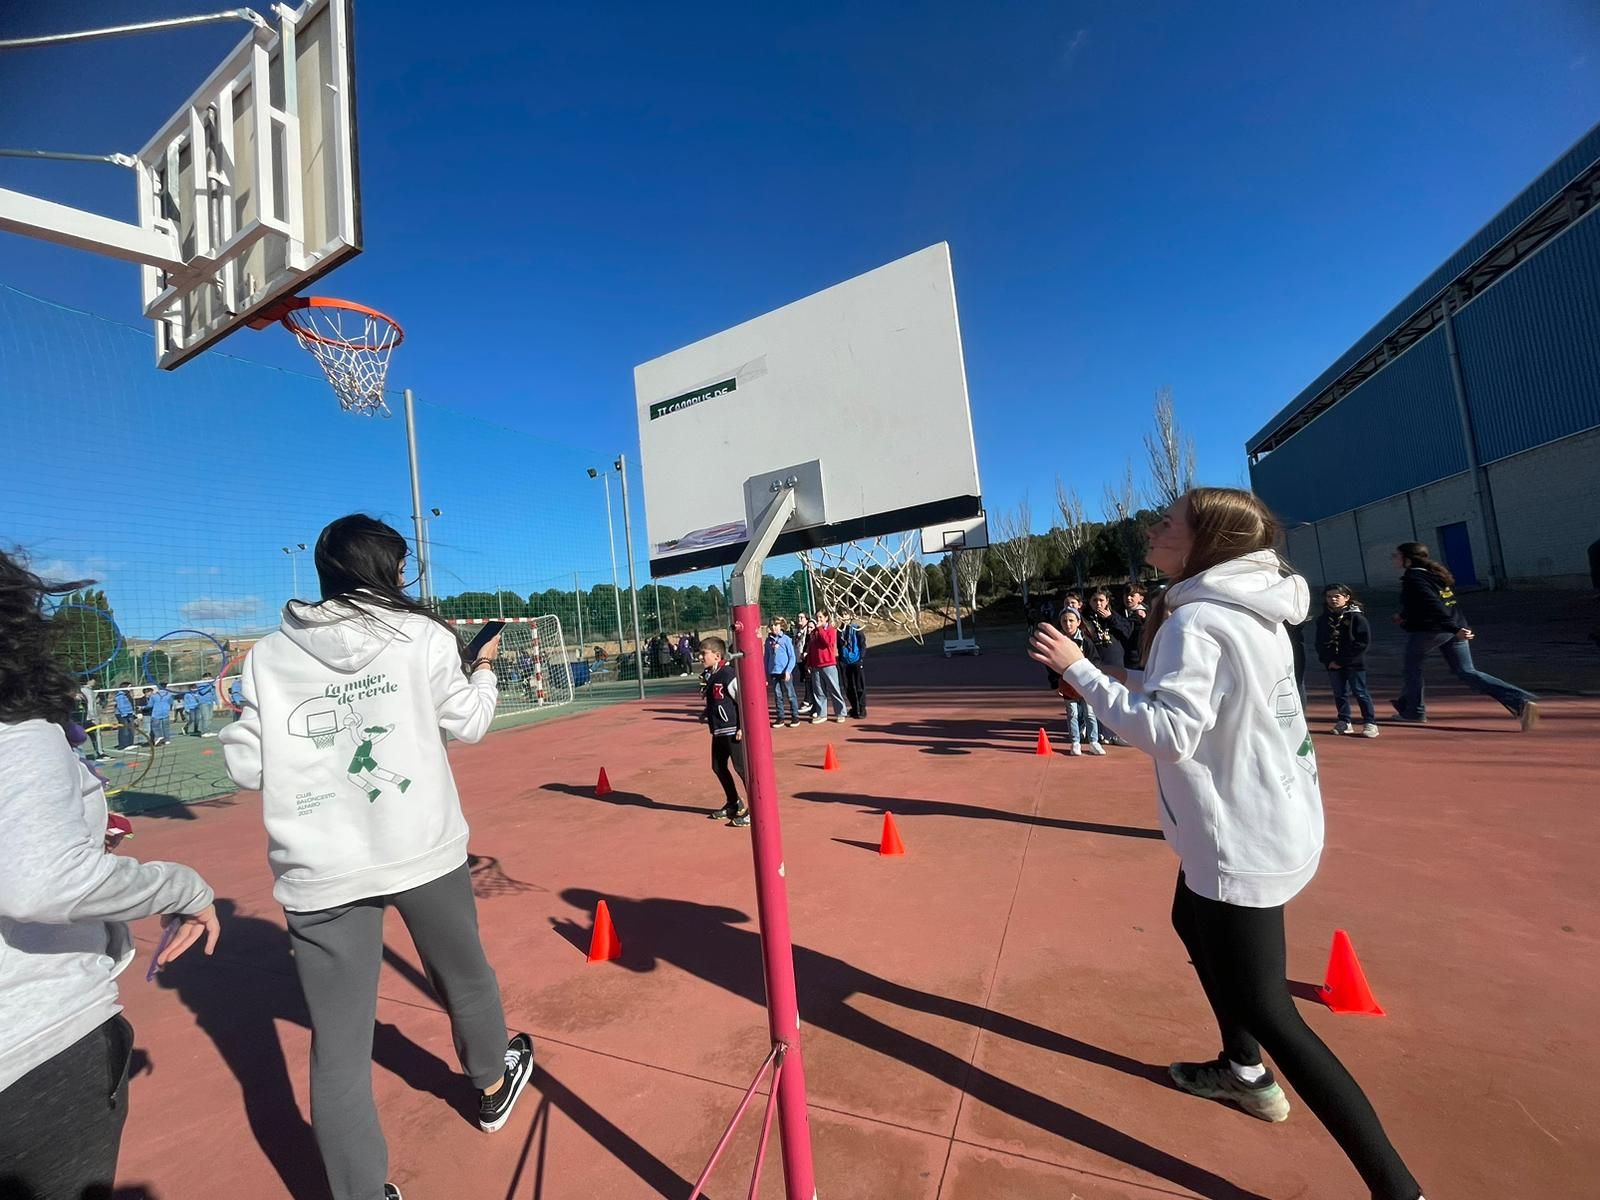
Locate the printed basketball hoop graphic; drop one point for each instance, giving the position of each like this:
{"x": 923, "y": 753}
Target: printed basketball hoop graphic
{"x": 319, "y": 719}
{"x": 350, "y": 342}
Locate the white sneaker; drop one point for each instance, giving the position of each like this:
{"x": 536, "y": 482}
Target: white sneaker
{"x": 1369, "y": 731}
{"x": 1529, "y": 716}
{"x": 1096, "y": 749}
{"x": 839, "y": 720}
{"x": 818, "y": 720}
{"x": 1073, "y": 751}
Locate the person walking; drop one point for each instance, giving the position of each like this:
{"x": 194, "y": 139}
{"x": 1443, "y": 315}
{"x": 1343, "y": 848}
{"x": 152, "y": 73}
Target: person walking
{"x": 346, "y": 711}
{"x": 1433, "y": 621}
{"x": 1217, "y": 708}
{"x": 65, "y": 899}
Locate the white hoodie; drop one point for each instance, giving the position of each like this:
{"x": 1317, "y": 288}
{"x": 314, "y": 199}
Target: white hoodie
{"x": 343, "y": 728}
{"x": 1218, "y": 708}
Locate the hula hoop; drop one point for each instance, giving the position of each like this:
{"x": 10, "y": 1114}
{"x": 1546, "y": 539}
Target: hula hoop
{"x": 144, "y": 660}
{"x": 116, "y": 646}
{"x": 131, "y": 778}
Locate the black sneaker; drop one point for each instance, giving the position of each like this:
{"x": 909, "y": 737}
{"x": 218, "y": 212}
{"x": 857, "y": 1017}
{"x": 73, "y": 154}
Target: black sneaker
{"x": 1408, "y": 718}
{"x": 1215, "y": 1080}
{"x": 740, "y": 819}
{"x": 719, "y": 814}
{"x": 390, "y": 1192}
{"x": 494, "y": 1111}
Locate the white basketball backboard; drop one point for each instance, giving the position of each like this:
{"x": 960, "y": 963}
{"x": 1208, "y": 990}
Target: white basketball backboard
{"x": 862, "y": 384}
{"x": 256, "y": 175}
{"x": 970, "y": 534}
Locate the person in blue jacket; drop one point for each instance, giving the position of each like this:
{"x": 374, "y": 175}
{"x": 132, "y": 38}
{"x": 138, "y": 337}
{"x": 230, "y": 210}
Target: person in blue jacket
{"x": 780, "y": 662}
{"x": 191, "y": 705}
{"x": 205, "y": 698}
{"x": 160, "y": 707}
{"x": 236, "y": 697}
{"x": 125, "y": 718}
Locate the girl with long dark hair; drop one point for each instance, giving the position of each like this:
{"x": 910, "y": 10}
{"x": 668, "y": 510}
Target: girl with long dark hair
{"x": 1219, "y": 710}
{"x": 1433, "y": 621}
{"x": 65, "y": 1048}
{"x": 345, "y": 712}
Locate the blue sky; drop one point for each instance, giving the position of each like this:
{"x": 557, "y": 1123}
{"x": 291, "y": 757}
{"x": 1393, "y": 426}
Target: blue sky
{"x": 1219, "y": 199}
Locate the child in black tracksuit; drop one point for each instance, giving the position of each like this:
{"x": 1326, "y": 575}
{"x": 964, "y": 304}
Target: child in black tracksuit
{"x": 727, "y": 733}
{"x": 1081, "y": 722}
{"x": 1343, "y": 636}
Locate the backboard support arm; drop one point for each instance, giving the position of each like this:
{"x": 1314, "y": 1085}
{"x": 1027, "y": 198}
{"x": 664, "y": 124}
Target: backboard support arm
{"x": 88, "y": 35}
{"x": 67, "y": 226}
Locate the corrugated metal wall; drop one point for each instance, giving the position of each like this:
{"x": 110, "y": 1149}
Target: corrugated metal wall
{"x": 1560, "y": 173}
{"x": 1530, "y": 347}
{"x": 1399, "y": 430}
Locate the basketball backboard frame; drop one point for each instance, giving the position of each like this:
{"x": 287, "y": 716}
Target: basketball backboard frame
{"x": 275, "y": 203}
{"x": 970, "y": 534}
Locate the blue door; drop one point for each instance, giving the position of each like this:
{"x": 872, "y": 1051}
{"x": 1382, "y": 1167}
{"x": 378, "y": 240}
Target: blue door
{"x": 1455, "y": 551}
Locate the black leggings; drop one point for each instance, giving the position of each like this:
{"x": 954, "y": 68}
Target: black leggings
{"x": 1239, "y": 955}
{"x": 724, "y": 749}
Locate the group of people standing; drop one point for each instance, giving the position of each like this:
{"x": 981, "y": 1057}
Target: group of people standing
{"x": 818, "y": 671}
{"x": 1108, "y": 633}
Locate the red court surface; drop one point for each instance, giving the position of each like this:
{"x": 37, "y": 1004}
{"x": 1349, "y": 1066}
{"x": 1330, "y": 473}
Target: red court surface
{"x": 987, "y": 1017}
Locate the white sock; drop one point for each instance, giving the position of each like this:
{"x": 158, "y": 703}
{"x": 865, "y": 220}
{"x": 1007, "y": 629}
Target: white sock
{"x": 1253, "y": 1074}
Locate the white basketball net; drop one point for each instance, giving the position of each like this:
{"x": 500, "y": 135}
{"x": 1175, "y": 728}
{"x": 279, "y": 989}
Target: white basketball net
{"x": 879, "y": 578}
{"x": 353, "y": 349}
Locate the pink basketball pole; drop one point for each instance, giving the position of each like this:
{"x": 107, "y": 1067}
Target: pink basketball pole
{"x": 772, "y": 894}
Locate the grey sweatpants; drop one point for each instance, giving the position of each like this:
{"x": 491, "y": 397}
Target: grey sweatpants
{"x": 337, "y": 953}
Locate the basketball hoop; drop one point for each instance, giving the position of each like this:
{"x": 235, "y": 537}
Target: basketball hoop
{"x": 878, "y": 578}
{"x": 351, "y": 344}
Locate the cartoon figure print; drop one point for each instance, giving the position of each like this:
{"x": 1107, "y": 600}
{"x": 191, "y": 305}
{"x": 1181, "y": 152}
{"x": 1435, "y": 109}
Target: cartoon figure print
{"x": 364, "y": 770}
{"x": 322, "y": 718}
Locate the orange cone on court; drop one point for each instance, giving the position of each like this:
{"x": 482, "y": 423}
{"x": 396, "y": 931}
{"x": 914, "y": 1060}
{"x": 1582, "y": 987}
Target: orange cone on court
{"x": 604, "y": 945}
{"x": 1044, "y": 747}
{"x": 1346, "y": 989}
{"x": 830, "y": 761}
{"x": 603, "y": 786}
{"x": 891, "y": 843}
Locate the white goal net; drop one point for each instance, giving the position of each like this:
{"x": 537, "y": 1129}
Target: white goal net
{"x": 533, "y": 668}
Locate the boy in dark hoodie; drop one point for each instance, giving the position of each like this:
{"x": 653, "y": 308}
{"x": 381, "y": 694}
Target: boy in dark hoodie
{"x": 727, "y": 732}
{"x": 1081, "y": 721}
{"x": 1343, "y": 636}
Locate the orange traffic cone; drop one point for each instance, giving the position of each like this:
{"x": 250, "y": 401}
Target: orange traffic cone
{"x": 603, "y": 786}
{"x": 1346, "y": 989}
{"x": 1044, "y": 746}
{"x": 830, "y": 761}
{"x": 891, "y": 843}
{"x": 604, "y": 945}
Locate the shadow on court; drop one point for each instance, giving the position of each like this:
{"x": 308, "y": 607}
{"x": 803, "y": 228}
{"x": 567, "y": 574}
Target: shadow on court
{"x": 708, "y": 942}
{"x": 877, "y": 805}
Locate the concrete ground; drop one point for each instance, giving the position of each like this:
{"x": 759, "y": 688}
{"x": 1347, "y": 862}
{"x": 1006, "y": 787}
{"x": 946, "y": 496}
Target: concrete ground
{"x": 988, "y": 1017}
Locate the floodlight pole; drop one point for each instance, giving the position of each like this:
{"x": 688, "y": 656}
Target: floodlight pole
{"x": 577, "y": 594}
{"x": 633, "y": 588}
{"x": 772, "y": 896}
{"x": 423, "y": 553}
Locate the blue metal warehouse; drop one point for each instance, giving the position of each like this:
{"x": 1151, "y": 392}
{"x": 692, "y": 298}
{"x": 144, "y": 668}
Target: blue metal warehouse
{"x": 1469, "y": 417}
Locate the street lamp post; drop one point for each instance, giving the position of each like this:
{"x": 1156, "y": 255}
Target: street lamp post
{"x": 294, "y": 562}
{"x": 621, "y": 466}
{"x": 611, "y": 544}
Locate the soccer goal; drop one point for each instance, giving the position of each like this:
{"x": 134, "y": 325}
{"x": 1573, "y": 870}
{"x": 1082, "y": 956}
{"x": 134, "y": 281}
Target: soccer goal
{"x": 534, "y": 668}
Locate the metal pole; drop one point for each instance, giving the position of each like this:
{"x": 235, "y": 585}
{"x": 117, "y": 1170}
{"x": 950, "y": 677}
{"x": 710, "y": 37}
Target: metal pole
{"x": 659, "y": 629}
{"x": 616, "y": 588}
{"x": 1469, "y": 438}
{"x": 416, "y": 501}
{"x": 577, "y": 594}
{"x": 772, "y": 897}
{"x": 294, "y": 565}
{"x": 633, "y": 587}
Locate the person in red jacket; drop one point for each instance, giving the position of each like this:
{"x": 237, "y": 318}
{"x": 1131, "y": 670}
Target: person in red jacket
{"x": 822, "y": 657}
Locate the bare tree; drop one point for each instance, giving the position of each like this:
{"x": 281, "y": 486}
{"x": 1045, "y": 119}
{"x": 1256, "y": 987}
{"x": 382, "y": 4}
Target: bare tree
{"x": 1016, "y": 551}
{"x": 966, "y": 572}
{"x": 1172, "y": 457}
{"x": 1121, "y": 508}
{"x": 1072, "y": 535}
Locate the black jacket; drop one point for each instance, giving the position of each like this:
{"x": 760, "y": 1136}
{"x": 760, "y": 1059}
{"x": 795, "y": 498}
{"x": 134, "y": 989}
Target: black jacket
{"x": 1090, "y": 651}
{"x": 722, "y": 701}
{"x": 1112, "y": 637}
{"x": 1343, "y": 637}
{"x": 1134, "y": 659}
{"x": 1426, "y": 605}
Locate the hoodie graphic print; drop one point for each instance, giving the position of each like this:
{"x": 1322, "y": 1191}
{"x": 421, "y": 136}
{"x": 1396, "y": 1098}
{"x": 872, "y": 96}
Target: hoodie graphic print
{"x": 345, "y": 713}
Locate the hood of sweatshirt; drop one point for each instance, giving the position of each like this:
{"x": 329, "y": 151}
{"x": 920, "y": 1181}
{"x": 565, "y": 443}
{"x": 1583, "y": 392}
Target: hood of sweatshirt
{"x": 339, "y": 634}
{"x": 1254, "y": 582}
